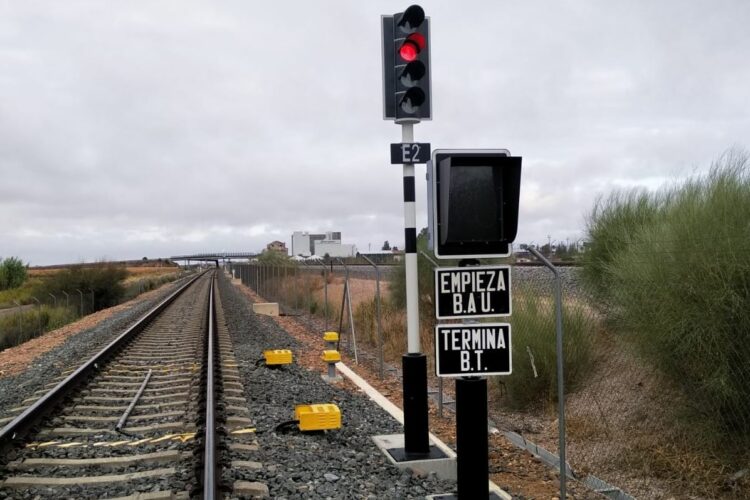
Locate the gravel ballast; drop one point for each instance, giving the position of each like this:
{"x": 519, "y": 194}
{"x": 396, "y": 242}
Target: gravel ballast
{"x": 343, "y": 463}
{"x": 74, "y": 351}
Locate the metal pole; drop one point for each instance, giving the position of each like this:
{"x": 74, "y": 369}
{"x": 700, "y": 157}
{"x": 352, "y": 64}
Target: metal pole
{"x": 67, "y": 301}
{"x": 325, "y": 296}
{"x": 53, "y": 298}
{"x": 414, "y": 362}
{"x": 20, "y": 318}
{"x": 81, "y": 300}
{"x": 472, "y": 462}
{"x": 377, "y": 313}
{"x": 440, "y": 379}
{"x": 39, "y": 313}
{"x": 560, "y": 380}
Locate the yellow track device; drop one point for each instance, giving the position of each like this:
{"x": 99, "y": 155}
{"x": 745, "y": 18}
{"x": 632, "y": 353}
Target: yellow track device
{"x": 318, "y": 417}
{"x": 331, "y": 337}
{"x": 278, "y": 357}
{"x": 331, "y": 356}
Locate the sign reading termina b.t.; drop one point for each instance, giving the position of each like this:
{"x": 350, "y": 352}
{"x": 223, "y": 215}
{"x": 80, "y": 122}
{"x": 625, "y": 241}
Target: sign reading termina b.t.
{"x": 472, "y": 292}
{"x": 474, "y": 350}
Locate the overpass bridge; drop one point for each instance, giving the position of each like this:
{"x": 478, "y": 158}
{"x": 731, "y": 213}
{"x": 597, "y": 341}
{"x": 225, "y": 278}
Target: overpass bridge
{"x": 215, "y": 256}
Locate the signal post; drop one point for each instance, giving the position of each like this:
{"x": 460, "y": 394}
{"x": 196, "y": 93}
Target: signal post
{"x": 406, "y": 100}
{"x": 473, "y": 200}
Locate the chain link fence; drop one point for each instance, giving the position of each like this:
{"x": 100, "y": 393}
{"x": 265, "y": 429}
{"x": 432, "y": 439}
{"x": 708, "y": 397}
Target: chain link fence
{"x": 632, "y": 430}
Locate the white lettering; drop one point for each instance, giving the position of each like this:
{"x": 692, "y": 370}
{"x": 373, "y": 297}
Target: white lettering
{"x": 465, "y": 361}
{"x": 490, "y": 338}
{"x": 405, "y": 152}
{"x": 455, "y": 282}
{"x": 457, "y": 309}
{"x": 446, "y": 333}
{"x": 444, "y": 285}
{"x": 485, "y": 302}
{"x": 454, "y": 344}
{"x": 476, "y": 338}
{"x": 479, "y": 359}
{"x": 500, "y": 281}
{"x": 471, "y": 307}
{"x": 466, "y": 339}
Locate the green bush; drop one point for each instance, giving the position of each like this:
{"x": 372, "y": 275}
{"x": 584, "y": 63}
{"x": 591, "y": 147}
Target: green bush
{"x": 614, "y": 223}
{"x": 12, "y": 273}
{"x": 679, "y": 288}
{"x": 533, "y": 334}
{"x": 104, "y": 280}
{"x": 18, "y": 328}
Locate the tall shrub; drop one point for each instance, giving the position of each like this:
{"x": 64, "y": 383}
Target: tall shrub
{"x": 12, "y": 273}
{"x": 104, "y": 280}
{"x": 680, "y": 287}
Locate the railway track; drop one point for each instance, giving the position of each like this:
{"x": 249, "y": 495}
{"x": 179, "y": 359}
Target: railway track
{"x": 131, "y": 421}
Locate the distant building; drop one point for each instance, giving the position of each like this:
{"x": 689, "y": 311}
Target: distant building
{"x": 277, "y": 246}
{"x": 306, "y": 244}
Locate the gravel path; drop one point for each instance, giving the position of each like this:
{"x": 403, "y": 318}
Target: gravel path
{"x": 72, "y": 353}
{"x": 338, "y": 464}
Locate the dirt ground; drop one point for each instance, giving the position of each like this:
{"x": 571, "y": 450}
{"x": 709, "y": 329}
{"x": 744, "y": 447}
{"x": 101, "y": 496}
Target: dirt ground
{"x": 514, "y": 470}
{"x": 16, "y": 359}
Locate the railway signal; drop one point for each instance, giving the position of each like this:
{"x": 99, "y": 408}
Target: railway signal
{"x": 406, "y": 66}
{"x": 473, "y": 202}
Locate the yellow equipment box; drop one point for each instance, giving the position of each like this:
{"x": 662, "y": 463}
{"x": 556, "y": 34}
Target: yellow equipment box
{"x": 331, "y": 337}
{"x": 318, "y": 417}
{"x": 278, "y": 357}
{"x": 331, "y": 356}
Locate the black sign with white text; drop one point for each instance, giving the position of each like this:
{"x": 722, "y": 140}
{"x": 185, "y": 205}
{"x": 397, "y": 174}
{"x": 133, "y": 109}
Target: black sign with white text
{"x": 472, "y": 292}
{"x": 410, "y": 152}
{"x": 472, "y": 350}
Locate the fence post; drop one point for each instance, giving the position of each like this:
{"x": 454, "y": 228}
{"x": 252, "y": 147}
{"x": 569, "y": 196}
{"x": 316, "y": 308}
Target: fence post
{"x": 325, "y": 293}
{"x": 67, "y": 301}
{"x": 560, "y": 380}
{"x": 377, "y": 313}
{"x": 20, "y": 319}
{"x": 77, "y": 290}
{"x": 440, "y": 379}
{"x": 348, "y": 296}
{"x": 53, "y": 298}
{"x": 39, "y": 313}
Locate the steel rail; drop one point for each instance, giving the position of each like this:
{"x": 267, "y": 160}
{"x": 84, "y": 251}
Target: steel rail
{"x": 20, "y": 425}
{"x": 210, "y": 469}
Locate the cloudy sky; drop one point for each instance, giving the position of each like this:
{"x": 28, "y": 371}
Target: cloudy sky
{"x": 149, "y": 128}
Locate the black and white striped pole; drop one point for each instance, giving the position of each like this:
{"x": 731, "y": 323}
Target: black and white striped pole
{"x": 406, "y": 100}
{"x": 414, "y": 362}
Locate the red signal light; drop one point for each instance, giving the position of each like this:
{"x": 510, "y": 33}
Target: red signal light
{"x": 408, "y": 51}
{"x": 411, "y": 47}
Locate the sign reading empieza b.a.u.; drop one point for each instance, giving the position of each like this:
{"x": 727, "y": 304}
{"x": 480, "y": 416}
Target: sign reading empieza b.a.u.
{"x": 472, "y": 292}
{"x": 479, "y": 349}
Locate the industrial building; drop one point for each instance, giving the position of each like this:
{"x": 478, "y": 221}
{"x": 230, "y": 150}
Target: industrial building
{"x": 305, "y": 244}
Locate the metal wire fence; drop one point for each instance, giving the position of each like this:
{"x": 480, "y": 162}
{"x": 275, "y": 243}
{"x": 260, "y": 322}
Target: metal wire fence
{"x": 632, "y": 429}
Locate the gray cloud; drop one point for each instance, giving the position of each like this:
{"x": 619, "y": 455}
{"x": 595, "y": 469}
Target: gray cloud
{"x": 171, "y": 127}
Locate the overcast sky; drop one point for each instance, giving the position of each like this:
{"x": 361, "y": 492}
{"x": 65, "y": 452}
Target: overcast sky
{"x": 150, "y": 128}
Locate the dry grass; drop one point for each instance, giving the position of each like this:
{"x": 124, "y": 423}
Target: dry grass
{"x": 138, "y": 273}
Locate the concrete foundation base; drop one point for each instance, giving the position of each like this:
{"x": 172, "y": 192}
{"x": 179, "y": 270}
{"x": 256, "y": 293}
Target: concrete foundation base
{"x": 441, "y": 460}
{"x": 267, "y": 308}
{"x": 329, "y": 379}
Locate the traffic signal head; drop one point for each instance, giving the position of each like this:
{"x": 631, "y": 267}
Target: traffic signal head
{"x": 406, "y": 66}
{"x": 473, "y": 202}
